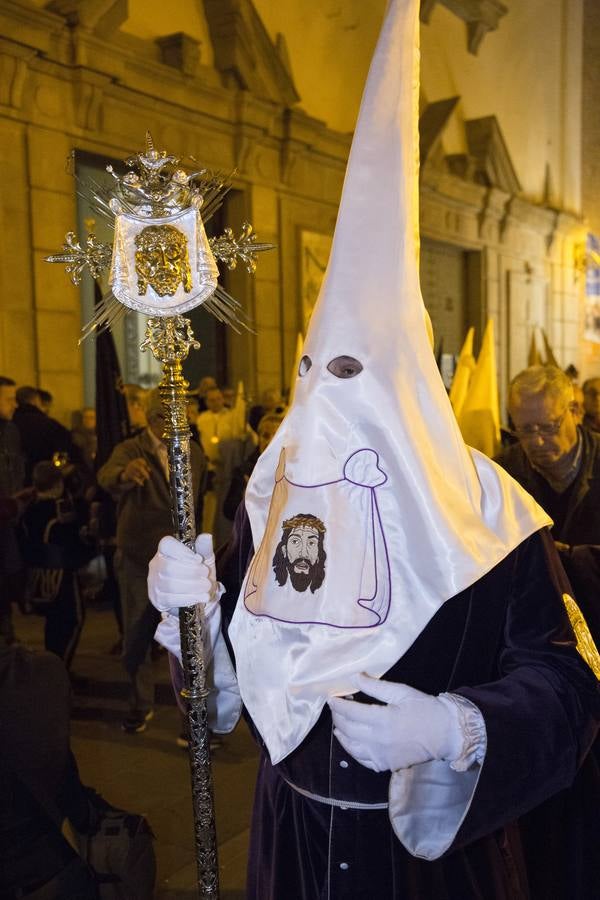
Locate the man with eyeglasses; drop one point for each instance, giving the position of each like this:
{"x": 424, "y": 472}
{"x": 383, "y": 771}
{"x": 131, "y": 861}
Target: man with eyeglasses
{"x": 558, "y": 462}
{"x": 553, "y": 459}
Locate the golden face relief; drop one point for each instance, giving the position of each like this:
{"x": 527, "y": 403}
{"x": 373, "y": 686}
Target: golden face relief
{"x": 161, "y": 260}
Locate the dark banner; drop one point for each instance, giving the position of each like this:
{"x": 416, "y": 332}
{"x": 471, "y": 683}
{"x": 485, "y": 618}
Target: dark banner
{"x": 111, "y": 407}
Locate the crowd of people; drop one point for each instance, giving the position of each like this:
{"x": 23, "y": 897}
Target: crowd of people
{"x": 61, "y": 513}
{"x": 70, "y": 532}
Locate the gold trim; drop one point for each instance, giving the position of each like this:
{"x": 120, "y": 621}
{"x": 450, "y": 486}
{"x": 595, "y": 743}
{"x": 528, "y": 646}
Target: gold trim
{"x": 585, "y": 642}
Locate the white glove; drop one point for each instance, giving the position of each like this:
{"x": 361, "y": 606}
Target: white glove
{"x": 179, "y": 577}
{"x": 411, "y": 728}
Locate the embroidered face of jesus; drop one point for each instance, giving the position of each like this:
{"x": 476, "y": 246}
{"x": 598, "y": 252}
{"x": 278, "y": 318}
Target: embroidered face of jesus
{"x": 161, "y": 260}
{"x": 300, "y": 554}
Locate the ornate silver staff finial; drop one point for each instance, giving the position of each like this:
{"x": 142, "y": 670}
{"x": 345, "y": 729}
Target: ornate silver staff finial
{"x": 162, "y": 264}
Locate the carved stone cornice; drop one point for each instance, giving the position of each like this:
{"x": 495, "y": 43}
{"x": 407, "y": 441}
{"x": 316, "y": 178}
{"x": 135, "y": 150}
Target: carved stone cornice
{"x": 455, "y": 190}
{"x": 303, "y": 134}
{"x": 102, "y": 17}
{"x": 245, "y": 54}
{"x": 432, "y": 122}
{"x": 14, "y": 59}
{"x": 29, "y": 25}
{"x": 493, "y": 210}
{"x": 522, "y": 214}
{"x": 480, "y": 16}
{"x": 180, "y": 51}
{"x": 255, "y": 121}
{"x": 488, "y": 148}
{"x": 88, "y": 88}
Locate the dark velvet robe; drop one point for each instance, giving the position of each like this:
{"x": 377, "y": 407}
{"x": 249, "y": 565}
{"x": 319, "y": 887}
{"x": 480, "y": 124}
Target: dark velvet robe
{"x": 564, "y": 831}
{"x": 506, "y": 644}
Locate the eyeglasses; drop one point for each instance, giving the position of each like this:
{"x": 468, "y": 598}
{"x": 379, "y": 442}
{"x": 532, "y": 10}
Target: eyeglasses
{"x": 544, "y": 429}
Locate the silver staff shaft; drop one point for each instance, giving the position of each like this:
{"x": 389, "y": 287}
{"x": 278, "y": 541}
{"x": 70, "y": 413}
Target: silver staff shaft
{"x": 170, "y": 340}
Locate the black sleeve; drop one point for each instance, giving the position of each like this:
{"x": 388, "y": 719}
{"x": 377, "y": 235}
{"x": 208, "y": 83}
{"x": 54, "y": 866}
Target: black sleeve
{"x": 542, "y": 713}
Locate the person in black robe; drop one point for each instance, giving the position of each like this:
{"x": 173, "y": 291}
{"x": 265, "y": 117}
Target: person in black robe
{"x": 370, "y": 440}
{"x": 506, "y": 644}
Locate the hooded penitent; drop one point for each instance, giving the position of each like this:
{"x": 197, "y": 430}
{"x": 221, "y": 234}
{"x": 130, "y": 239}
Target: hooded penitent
{"x": 367, "y": 510}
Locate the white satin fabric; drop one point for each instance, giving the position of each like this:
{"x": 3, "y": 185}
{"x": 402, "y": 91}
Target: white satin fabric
{"x": 446, "y": 515}
{"x": 428, "y": 803}
{"x": 224, "y": 704}
{"x": 123, "y": 278}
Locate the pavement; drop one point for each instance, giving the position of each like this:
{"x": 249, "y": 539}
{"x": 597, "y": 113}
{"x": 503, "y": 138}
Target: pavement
{"x": 147, "y": 773}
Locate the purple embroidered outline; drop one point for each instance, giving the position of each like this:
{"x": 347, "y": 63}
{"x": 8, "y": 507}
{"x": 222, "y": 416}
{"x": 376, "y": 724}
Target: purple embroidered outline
{"x": 361, "y": 601}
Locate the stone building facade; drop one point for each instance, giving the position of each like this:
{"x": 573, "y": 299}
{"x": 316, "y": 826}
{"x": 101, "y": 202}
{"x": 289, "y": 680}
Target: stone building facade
{"x": 235, "y": 84}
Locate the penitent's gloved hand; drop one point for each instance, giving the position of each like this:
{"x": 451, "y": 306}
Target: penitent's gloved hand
{"x": 178, "y": 577}
{"x": 410, "y": 728}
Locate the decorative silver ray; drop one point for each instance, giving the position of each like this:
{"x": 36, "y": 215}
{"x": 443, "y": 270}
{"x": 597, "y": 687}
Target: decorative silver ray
{"x": 162, "y": 264}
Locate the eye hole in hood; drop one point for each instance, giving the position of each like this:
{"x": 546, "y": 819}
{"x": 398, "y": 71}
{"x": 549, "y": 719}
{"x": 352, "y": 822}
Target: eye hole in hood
{"x": 345, "y": 367}
{"x": 305, "y": 364}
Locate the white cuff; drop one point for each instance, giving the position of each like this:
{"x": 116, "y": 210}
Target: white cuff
{"x": 429, "y": 802}
{"x": 224, "y": 700}
{"x": 167, "y": 633}
{"x": 472, "y": 727}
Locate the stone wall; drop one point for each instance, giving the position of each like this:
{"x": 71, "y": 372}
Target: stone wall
{"x": 65, "y": 86}
{"x": 86, "y": 76}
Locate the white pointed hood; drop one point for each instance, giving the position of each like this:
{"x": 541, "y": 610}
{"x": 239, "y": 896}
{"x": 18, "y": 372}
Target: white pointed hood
{"x": 367, "y": 510}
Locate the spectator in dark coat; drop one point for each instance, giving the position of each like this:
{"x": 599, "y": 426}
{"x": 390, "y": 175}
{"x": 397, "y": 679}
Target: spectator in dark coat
{"x": 559, "y": 464}
{"x": 46, "y": 400}
{"x": 267, "y": 427}
{"x": 136, "y": 475}
{"x": 54, "y": 550}
{"x": 38, "y": 773}
{"x": 270, "y": 402}
{"x": 41, "y": 436}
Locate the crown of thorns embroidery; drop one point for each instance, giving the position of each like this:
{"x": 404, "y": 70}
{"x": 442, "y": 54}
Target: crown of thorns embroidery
{"x": 306, "y": 520}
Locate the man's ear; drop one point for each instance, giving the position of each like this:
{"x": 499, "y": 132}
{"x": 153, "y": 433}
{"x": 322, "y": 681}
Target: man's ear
{"x": 284, "y": 551}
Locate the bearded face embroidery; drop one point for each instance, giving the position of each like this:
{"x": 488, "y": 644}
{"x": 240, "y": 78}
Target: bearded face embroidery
{"x": 300, "y": 554}
{"x": 161, "y": 260}
{"x": 286, "y": 580}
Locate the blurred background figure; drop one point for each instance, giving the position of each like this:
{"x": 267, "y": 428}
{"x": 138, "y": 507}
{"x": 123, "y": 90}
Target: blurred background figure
{"x": 43, "y": 796}
{"x": 204, "y": 385}
{"x": 53, "y": 529}
{"x": 137, "y": 475}
{"x": 192, "y": 416}
{"x": 267, "y": 427}
{"x": 46, "y": 400}
{"x": 270, "y": 402}
{"x": 37, "y": 774}
{"x": 12, "y": 476}
{"x": 227, "y": 441}
{"x": 591, "y": 404}
{"x": 228, "y": 397}
{"x": 42, "y": 437}
{"x": 85, "y": 437}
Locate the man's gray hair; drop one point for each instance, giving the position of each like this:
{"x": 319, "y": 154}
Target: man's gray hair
{"x": 547, "y": 380}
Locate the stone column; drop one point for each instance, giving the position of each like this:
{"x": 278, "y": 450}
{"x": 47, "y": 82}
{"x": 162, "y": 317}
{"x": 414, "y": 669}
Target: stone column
{"x": 56, "y": 302}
